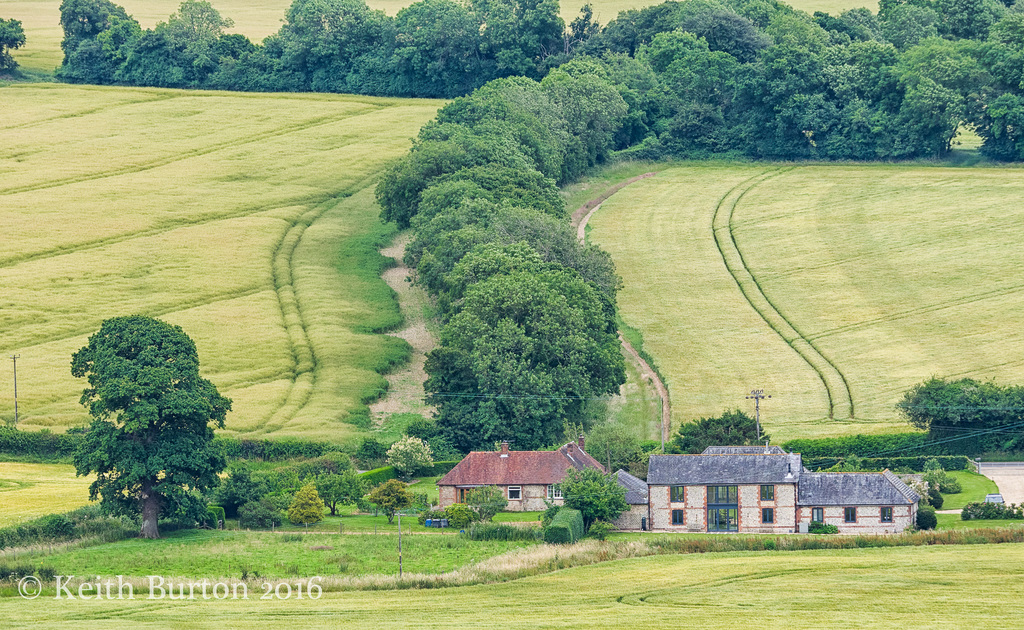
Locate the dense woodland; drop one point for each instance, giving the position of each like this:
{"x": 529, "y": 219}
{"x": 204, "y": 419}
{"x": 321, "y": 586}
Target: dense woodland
{"x": 751, "y": 78}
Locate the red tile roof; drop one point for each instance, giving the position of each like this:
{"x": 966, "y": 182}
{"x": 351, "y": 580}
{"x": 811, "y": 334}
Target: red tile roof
{"x": 489, "y": 468}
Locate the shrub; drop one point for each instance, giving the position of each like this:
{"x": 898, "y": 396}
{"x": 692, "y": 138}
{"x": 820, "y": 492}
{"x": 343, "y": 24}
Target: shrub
{"x": 822, "y": 528}
{"x": 487, "y": 501}
{"x": 926, "y": 518}
{"x": 600, "y": 529}
{"x": 566, "y": 527}
{"x": 549, "y": 514}
{"x": 89, "y": 521}
{"x": 501, "y": 531}
{"x": 259, "y": 515}
{"x": 371, "y": 453}
{"x": 217, "y": 516}
{"x": 976, "y": 511}
{"x": 459, "y": 515}
{"x": 410, "y": 455}
{"x": 935, "y": 497}
{"x": 307, "y": 506}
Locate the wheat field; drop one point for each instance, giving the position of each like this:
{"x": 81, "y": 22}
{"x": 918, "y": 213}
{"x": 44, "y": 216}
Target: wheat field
{"x": 41, "y": 18}
{"x": 833, "y": 287}
{"x": 28, "y": 491}
{"x": 248, "y": 220}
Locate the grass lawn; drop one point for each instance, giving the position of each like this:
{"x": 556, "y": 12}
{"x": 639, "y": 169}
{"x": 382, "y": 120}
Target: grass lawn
{"x": 974, "y": 486}
{"x": 952, "y": 521}
{"x": 919, "y": 587}
{"x": 28, "y": 491}
{"x": 205, "y": 553}
{"x": 248, "y": 219}
{"x": 833, "y": 287}
{"x": 41, "y": 18}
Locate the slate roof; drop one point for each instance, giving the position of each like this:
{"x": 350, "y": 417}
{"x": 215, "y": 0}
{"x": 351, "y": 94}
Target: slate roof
{"x": 489, "y": 468}
{"x": 882, "y": 488}
{"x": 636, "y": 488}
{"x": 729, "y": 469}
{"x": 744, "y": 450}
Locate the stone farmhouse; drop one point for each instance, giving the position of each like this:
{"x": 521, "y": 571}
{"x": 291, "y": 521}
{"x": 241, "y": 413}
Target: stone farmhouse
{"x": 762, "y": 490}
{"x": 526, "y": 477}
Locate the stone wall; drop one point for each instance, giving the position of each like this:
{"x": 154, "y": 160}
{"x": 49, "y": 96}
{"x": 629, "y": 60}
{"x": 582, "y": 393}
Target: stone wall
{"x": 869, "y": 518}
{"x": 631, "y": 518}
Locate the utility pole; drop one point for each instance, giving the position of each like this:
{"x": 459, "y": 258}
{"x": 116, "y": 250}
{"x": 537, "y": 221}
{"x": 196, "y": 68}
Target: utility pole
{"x": 399, "y": 545}
{"x": 758, "y": 395}
{"x": 14, "y": 358}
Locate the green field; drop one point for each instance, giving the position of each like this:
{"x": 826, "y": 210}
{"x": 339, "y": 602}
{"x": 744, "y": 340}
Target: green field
{"x": 919, "y": 587}
{"x": 28, "y": 491}
{"x": 273, "y": 555}
{"x": 835, "y": 288}
{"x": 41, "y": 18}
{"x": 247, "y": 219}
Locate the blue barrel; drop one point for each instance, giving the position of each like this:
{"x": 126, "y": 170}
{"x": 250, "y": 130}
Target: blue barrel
{"x": 429, "y": 522}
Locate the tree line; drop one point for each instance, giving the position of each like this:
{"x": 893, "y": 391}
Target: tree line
{"x": 753, "y": 78}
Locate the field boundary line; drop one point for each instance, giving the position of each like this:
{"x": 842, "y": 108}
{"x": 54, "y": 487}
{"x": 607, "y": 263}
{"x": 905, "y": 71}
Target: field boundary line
{"x": 579, "y": 220}
{"x": 836, "y": 387}
{"x": 178, "y": 157}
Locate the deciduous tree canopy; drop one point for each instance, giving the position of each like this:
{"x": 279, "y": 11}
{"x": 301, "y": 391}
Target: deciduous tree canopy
{"x": 149, "y": 443}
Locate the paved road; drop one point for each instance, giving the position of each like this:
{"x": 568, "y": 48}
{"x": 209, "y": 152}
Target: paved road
{"x": 1009, "y": 476}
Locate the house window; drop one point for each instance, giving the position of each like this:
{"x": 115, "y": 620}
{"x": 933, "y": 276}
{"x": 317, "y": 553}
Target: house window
{"x": 722, "y": 494}
{"x": 677, "y": 494}
{"x": 887, "y": 515}
{"x": 677, "y": 517}
{"x": 554, "y": 492}
{"x": 767, "y": 515}
{"x": 767, "y": 493}
{"x": 462, "y": 495}
{"x": 515, "y": 493}
{"x": 850, "y": 515}
{"x": 817, "y": 515}
{"x": 723, "y": 509}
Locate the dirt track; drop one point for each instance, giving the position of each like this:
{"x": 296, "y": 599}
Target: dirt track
{"x": 579, "y": 219}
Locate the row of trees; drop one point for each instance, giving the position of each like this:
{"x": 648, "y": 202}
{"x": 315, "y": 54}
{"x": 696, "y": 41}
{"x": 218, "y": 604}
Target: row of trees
{"x": 434, "y": 48}
{"x": 528, "y": 312}
{"x": 699, "y": 78}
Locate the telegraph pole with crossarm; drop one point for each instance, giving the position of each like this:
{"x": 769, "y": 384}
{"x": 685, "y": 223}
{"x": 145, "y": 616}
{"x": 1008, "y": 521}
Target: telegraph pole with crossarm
{"x": 758, "y": 395}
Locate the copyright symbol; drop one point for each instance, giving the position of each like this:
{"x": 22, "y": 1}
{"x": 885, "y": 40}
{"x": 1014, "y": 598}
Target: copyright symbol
{"x": 29, "y": 587}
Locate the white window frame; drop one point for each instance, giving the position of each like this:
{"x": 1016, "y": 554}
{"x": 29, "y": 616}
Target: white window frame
{"x": 554, "y": 492}
{"x": 519, "y": 493}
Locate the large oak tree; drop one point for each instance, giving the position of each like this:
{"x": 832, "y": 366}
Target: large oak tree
{"x": 149, "y": 442}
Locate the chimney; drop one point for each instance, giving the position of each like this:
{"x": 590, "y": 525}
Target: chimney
{"x": 504, "y": 449}
{"x": 581, "y": 441}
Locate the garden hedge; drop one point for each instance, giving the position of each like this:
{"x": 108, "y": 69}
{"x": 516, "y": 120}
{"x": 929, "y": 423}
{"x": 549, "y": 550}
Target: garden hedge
{"x": 948, "y": 462}
{"x": 565, "y": 528}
